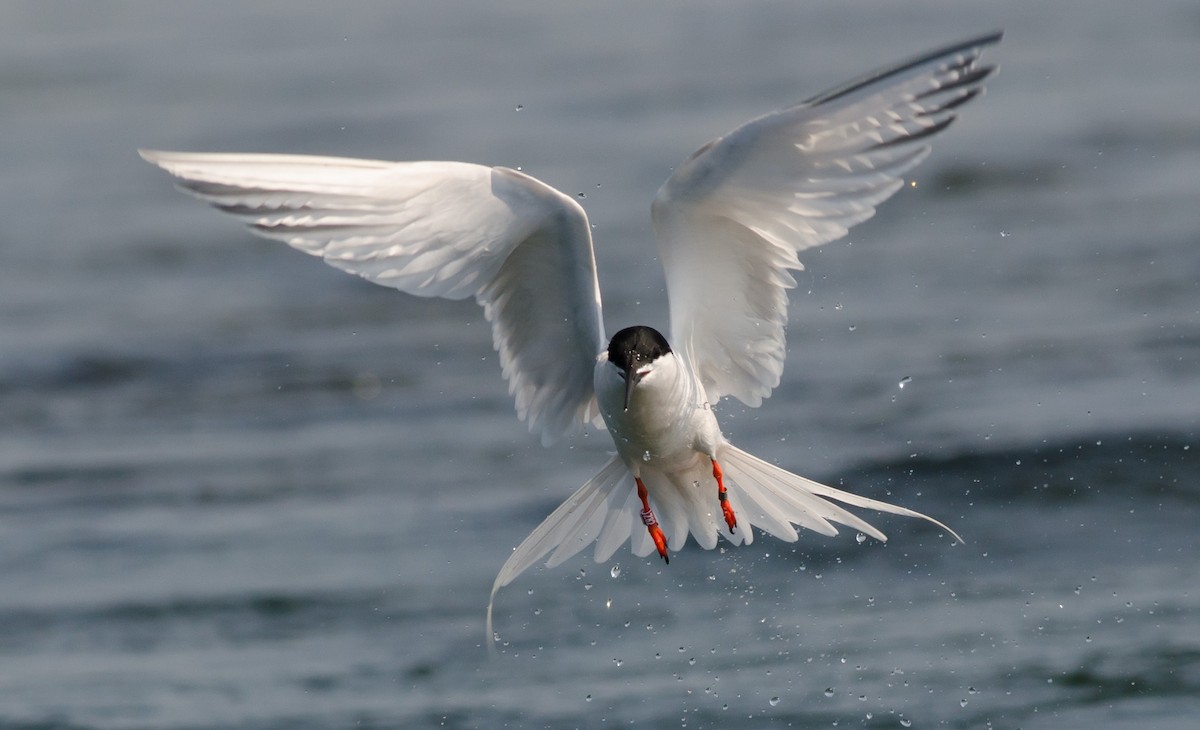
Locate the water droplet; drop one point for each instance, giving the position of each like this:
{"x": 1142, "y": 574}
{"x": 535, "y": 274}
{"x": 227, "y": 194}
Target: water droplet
{"x": 774, "y": 701}
{"x": 520, "y": 107}
{"x": 860, "y": 538}
{"x": 587, "y": 586}
{"x": 615, "y": 571}
{"x": 829, "y": 692}
{"x": 692, "y": 662}
{"x": 962, "y": 702}
{"x": 905, "y": 380}
{"x": 905, "y": 722}
{"x": 618, "y": 662}
{"x": 581, "y": 195}
{"x": 587, "y": 699}
{"x": 646, "y": 455}
{"x": 853, "y": 327}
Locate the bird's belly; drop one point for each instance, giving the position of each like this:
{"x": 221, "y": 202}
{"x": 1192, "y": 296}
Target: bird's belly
{"x": 651, "y": 439}
{"x": 667, "y": 435}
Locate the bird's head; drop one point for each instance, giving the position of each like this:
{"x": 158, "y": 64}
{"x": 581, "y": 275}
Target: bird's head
{"x": 635, "y": 351}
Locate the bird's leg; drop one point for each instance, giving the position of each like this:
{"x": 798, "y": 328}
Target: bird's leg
{"x": 723, "y": 497}
{"x": 651, "y": 523}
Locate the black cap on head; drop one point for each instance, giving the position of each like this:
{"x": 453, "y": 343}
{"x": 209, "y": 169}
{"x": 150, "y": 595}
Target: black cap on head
{"x": 633, "y": 347}
{"x": 637, "y": 345}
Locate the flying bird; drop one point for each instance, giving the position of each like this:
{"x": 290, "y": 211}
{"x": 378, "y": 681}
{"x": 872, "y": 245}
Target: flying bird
{"x": 729, "y": 224}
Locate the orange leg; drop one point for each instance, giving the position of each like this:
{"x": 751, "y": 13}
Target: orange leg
{"x": 723, "y": 497}
{"x": 648, "y": 519}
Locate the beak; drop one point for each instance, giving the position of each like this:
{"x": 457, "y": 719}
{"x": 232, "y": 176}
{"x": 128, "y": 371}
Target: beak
{"x": 632, "y": 377}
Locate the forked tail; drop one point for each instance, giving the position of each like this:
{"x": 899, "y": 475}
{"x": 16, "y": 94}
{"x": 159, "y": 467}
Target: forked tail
{"x": 604, "y": 511}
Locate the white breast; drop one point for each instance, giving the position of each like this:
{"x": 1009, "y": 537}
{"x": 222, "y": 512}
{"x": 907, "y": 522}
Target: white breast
{"x": 668, "y": 422}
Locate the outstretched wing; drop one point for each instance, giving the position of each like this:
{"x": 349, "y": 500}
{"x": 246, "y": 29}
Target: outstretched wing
{"x": 732, "y": 220}
{"x": 438, "y": 229}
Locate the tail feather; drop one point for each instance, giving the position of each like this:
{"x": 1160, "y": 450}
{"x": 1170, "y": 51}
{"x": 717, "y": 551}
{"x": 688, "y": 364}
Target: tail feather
{"x": 751, "y": 506}
{"x": 618, "y": 526}
{"x": 573, "y": 526}
{"x": 789, "y": 498}
{"x": 804, "y": 501}
{"x": 605, "y": 511}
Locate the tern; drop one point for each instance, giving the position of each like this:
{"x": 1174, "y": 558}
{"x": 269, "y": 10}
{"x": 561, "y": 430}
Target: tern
{"x": 729, "y": 224}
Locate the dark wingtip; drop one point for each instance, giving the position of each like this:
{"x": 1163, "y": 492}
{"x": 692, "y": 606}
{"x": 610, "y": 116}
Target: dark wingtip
{"x": 980, "y": 42}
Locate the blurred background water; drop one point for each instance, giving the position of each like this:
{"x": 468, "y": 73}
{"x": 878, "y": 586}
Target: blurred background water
{"x": 241, "y": 489}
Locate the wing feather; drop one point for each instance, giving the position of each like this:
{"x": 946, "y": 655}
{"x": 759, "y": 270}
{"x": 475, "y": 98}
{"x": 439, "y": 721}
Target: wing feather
{"x": 438, "y": 229}
{"x": 731, "y": 221}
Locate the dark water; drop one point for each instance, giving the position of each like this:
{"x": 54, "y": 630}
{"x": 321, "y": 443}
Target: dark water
{"x": 240, "y": 489}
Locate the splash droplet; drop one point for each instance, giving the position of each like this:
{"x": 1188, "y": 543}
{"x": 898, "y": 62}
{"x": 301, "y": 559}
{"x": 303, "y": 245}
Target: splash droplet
{"x": 829, "y": 692}
{"x": 615, "y": 571}
{"x": 774, "y": 701}
{"x": 905, "y": 380}
{"x": 860, "y": 538}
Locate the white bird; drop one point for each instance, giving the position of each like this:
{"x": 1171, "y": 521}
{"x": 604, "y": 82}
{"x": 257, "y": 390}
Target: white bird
{"x": 729, "y": 224}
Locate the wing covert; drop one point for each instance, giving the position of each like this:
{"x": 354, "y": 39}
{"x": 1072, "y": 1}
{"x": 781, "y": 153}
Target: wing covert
{"x": 438, "y": 229}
